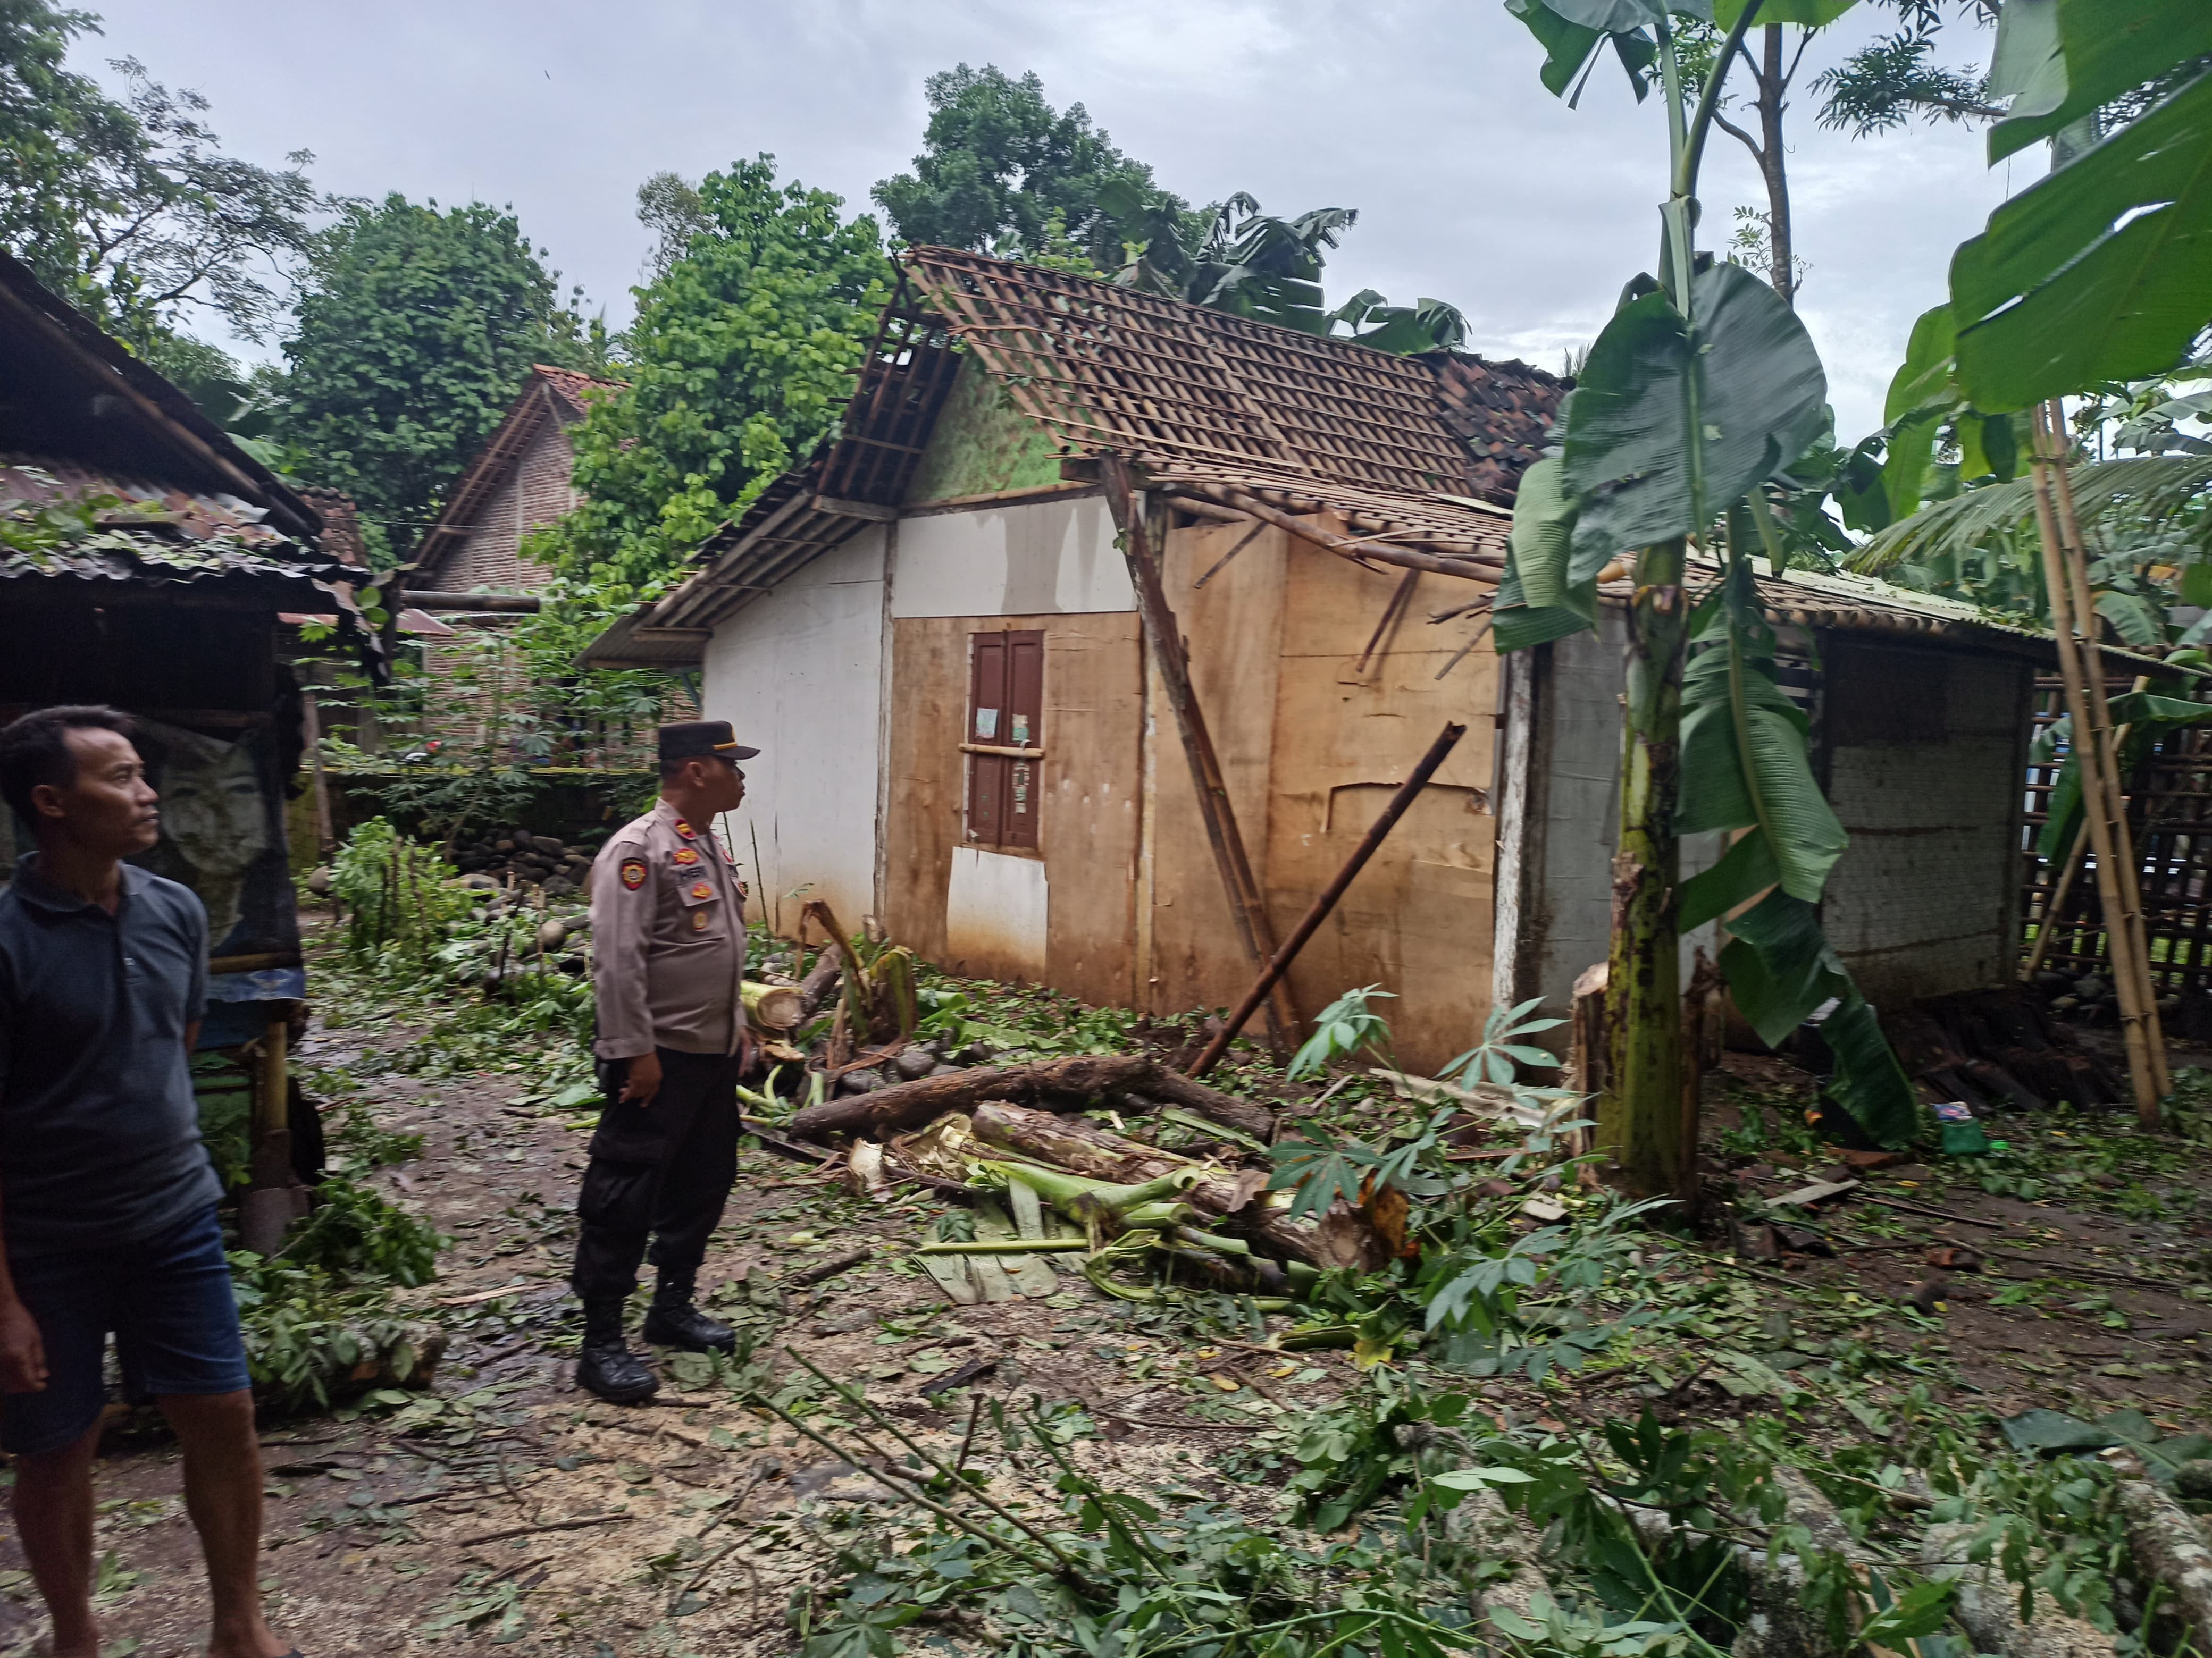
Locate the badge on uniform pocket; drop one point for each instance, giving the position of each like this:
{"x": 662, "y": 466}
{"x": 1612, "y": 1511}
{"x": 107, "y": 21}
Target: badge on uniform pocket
{"x": 701, "y": 919}
{"x": 684, "y": 856}
{"x": 699, "y": 891}
{"x": 632, "y": 873}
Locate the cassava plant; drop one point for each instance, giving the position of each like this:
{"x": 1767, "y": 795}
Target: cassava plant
{"x": 1701, "y": 390}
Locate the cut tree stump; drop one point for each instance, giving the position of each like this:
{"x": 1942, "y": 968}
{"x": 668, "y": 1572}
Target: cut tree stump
{"x": 1088, "y": 1077}
{"x": 1098, "y": 1154}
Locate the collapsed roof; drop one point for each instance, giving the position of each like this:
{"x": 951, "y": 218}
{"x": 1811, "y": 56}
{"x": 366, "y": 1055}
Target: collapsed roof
{"x": 1417, "y": 456}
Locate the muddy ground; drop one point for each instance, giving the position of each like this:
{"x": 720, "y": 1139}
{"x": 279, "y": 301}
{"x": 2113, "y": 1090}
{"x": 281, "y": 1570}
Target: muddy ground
{"x": 507, "y": 1510}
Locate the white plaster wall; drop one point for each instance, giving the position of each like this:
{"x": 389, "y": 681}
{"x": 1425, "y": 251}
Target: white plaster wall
{"x": 996, "y": 911}
{"x": 797, "y": 672}
{"x": 1032, "y": 558}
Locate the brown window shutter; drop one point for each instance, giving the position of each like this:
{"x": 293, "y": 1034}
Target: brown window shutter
{"x": 1026, "y": 716}
{"x": 987, "y": 722}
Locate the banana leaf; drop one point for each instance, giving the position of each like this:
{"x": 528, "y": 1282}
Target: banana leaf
{"x": 1780, "y": 969}
{"x": 1673, "y": 419}
{"x": 2103, "y": 270}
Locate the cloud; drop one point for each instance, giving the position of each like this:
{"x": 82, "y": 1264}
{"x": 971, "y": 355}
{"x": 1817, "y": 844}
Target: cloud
{"x": 1473, "y": 184}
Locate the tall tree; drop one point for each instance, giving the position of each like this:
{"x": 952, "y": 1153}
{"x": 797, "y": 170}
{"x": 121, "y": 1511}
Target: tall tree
{"x": 668, "y": 205}
{"x": 1885, "y": 84}
{"x": 417, "y": 328}
{"x": 999, "y": 163}
{"x": 742, "y": 356}
{"x": 130, "y": 207}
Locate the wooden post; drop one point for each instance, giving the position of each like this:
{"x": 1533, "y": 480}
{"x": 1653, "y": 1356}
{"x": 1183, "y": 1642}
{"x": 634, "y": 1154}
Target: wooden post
{"x": 1317, "y": 912}
{"x": 1163, "y": 640}
{"x": 271, "y": 1098}
{"x": 2073, "y": 620}
{"x": 275, "y": 1198}
{"x": 311, "y": 717}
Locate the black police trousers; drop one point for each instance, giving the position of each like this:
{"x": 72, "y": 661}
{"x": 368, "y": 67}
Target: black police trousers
{"x": 661, "y": 1170}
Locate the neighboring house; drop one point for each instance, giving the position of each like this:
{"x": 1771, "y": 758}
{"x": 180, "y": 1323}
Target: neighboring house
{"x": 517, "y": 484}
{"x": 932, "y": 632}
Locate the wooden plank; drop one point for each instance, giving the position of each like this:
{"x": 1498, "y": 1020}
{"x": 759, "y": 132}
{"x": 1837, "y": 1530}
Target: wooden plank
{"x": 1235, "y": 623}
{"x": 1165, "y": 645}
{"x": 1418, "y": 921}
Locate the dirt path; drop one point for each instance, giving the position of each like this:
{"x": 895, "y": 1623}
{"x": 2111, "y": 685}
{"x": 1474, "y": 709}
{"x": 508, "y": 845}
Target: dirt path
{"x": 505, "y": 1509}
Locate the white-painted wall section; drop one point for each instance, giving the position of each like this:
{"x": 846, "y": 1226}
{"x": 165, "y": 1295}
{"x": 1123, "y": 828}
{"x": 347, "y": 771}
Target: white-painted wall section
{"x": 1031, "y": 558}
{"x": 996, "y": 909}
{"x": 797, "y": 672}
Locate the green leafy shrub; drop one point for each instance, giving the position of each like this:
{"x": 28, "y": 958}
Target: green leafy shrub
{"x": 356, "y": 1233}
{"x": 1346, "y": 1028}
{"x": 307, "y": 1329}
{"x": 398, "y": 896}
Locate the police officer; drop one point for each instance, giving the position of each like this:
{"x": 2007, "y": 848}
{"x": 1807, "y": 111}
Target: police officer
{"x": 668, "y": 957}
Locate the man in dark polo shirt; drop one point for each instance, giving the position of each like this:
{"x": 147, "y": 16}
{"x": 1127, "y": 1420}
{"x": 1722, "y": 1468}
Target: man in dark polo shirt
{"x": 108, "y": 1199}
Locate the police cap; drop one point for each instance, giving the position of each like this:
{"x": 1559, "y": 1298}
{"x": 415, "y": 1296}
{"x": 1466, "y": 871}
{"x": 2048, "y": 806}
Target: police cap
{"x": 690, "y": 739}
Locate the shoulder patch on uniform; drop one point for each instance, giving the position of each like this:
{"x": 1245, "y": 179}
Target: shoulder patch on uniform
{"x": 632, "y": 873}
{"x": 686, "y": 830}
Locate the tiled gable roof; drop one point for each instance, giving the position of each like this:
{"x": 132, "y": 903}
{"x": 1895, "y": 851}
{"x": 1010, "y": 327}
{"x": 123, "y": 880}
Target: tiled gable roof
{"x": 1106, "y": 367}
{"x": 550, "y": 392}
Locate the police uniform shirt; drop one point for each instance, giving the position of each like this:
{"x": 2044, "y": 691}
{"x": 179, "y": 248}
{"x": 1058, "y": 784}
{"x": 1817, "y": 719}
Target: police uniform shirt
{"x": 668, "y": 940}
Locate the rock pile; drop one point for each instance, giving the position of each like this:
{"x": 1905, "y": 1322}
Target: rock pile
{"x": 562, "y": 867}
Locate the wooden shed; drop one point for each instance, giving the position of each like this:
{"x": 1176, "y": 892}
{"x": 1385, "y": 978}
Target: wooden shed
{"x": 934, "y": 632}
{"x": 145, "y": 562}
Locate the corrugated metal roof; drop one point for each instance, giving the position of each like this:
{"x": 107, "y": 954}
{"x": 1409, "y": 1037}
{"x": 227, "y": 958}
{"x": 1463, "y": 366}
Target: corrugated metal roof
{"x": 60, "y": 521}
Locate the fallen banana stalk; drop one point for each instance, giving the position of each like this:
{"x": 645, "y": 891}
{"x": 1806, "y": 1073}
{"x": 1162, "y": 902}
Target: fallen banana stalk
{"x": 1002, "y": 1246}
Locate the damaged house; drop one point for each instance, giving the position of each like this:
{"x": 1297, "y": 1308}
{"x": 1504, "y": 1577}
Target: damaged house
{"x": 936, "y": 632}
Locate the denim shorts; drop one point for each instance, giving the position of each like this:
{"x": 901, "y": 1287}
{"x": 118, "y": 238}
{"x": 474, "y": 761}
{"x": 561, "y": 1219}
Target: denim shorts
{"x": 168, "y": 1301}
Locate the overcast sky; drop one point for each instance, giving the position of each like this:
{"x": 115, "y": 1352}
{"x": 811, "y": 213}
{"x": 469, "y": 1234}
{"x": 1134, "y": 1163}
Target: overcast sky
{"x": 1473, "y": 184}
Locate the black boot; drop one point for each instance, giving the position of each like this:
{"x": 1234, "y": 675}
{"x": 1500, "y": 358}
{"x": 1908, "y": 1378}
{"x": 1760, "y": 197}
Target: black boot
{"x": 606, "y": 1366}
{"x": 673, "y": 1321}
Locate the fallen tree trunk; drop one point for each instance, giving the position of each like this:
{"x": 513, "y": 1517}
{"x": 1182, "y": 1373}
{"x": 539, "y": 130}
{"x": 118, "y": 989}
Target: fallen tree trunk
{"x": 1081, "y": 1149}
{"x": 820, "y": 980}
{"x": 2169, "y": 1547}
{"x": 1087, "y": 1076}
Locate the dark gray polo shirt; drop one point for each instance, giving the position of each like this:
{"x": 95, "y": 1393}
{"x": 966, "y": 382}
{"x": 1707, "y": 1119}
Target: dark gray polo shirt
{"x": 100, "y": 1138}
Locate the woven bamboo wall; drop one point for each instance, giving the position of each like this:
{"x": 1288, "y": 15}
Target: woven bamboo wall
{"x": 2170, "y": 815}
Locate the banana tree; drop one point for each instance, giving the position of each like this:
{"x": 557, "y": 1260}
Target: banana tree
{"x": 1700, "y": 392}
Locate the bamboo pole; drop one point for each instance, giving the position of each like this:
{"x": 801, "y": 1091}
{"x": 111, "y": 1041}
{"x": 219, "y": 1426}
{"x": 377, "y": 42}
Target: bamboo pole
{"x": 2129, "y": 873}
{"x": 2092, "y": 734}
{"x": 1317, "y": 912}
{"x": 1163, "y": 641}
{"x": 311, "y": 717}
